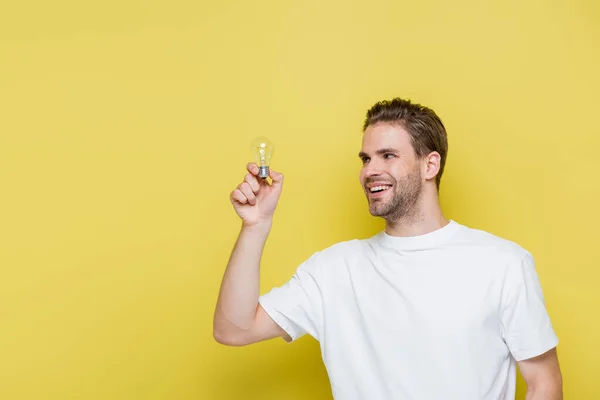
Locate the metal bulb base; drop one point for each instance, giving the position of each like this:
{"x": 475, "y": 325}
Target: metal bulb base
{"x": 263, "y": 172}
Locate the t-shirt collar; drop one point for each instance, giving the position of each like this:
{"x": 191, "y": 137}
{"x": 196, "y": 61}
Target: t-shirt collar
{"x": 419, "y": 242}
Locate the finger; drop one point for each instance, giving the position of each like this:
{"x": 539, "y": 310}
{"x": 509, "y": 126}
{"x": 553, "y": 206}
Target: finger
{"x": 254, "y": 185}
{"x": 252, "y": 168}
{"x": 277, "y": 177}
{"x": 238, "y": 196}
{"x": 247, "y": 191}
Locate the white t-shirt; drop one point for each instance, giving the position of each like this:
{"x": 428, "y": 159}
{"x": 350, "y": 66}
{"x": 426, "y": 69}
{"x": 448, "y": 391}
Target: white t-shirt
{"x": 440, "y": 316}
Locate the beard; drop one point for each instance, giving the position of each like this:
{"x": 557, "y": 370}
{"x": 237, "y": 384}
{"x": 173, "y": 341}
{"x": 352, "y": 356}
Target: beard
{"x": 404, "y": 203}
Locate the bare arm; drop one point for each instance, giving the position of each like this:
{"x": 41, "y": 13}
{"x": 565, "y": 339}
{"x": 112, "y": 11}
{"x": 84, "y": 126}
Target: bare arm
{"x": 239, "y": 319}
{"x": 542, "y": 376}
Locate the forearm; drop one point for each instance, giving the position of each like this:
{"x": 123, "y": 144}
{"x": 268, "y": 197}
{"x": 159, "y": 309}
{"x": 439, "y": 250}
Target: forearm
{"x": 548, "y": 391}
{"x": 239, "y": 293}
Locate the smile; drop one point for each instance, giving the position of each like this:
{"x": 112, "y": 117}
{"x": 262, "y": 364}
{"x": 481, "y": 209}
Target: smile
{"x": 377, "y": 189}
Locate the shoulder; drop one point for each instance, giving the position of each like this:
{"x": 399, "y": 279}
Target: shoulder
{"x": 345, "y": 248}
{"x": 514, "y": 263}
{"x": 340, "y": 253}
{"x": 493, "y": 245}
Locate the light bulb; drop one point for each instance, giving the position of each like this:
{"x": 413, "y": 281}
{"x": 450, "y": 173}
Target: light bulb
{"x": 262, "y": 149}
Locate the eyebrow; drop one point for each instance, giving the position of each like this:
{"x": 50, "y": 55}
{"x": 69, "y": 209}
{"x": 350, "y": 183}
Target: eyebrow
{"x": 380, "y": 151}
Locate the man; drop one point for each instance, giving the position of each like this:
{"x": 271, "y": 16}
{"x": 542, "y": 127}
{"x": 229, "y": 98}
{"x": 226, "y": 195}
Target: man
{"x": 428, "y": 309}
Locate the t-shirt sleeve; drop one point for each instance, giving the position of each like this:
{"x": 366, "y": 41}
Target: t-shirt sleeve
{"x": 296, "y": 306}
{"x": 527, "y": 329}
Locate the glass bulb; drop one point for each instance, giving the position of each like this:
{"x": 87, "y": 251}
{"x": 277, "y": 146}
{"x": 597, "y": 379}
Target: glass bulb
{"x": 262, "y": 149}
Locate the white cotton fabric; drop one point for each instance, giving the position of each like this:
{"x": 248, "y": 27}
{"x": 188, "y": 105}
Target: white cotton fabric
{"x": 440, "y": 316}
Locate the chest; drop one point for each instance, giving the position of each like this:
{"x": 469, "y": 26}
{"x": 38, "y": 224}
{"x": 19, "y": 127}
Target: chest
{"x": 419, "y": 295}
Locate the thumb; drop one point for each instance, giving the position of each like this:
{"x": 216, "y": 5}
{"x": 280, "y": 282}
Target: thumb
{"x": 277, "y": 178}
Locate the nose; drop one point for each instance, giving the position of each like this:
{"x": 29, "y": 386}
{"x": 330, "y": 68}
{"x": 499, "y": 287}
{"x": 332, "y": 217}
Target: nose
{"x": 373, "y": 168}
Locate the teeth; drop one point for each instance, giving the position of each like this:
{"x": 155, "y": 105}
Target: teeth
{"x": 378, "y": 188}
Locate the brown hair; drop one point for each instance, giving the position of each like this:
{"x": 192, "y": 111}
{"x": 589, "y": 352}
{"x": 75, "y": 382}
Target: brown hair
{"x": 422, "y": 124}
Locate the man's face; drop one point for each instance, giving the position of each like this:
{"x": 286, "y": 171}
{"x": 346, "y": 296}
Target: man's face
{"x": 390, "y": 176}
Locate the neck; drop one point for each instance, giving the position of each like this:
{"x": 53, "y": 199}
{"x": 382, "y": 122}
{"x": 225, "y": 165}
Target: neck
{"x": 427, "y": 217}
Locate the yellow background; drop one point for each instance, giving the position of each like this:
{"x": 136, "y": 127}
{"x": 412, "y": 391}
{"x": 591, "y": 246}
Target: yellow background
{"x": 125, "y": 125}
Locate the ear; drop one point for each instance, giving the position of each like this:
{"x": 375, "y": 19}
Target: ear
{"x": 431, "y": 165}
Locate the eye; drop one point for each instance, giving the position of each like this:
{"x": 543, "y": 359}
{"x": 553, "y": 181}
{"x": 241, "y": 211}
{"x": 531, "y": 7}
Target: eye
{"x": 389, "y": 155}
{"x": 364, "y": 159}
